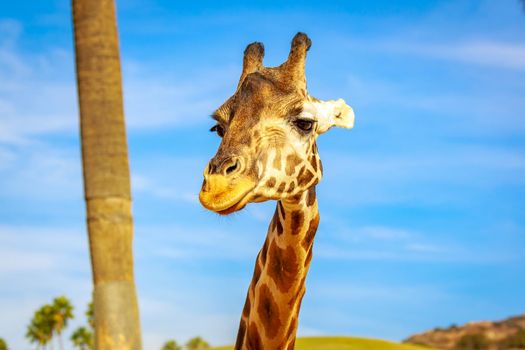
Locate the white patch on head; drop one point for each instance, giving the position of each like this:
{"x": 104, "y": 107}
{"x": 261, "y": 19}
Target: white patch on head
{"x": 328, "y": 114}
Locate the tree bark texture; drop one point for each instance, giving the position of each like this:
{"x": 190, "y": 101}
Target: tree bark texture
{"x": 106, "y": 175}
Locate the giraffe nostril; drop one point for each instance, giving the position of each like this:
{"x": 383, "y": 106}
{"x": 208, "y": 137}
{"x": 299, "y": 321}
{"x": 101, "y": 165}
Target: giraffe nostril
{"x": 232, "y": 167}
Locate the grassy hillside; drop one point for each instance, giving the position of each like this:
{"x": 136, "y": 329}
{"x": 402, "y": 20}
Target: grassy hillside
{"x": 345, "y": 343}
{"x": 503, "y": 334}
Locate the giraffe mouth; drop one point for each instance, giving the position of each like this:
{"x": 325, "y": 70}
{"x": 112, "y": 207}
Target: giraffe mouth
{"x": 236, "y": 207}
{"x": 224, "y": 198}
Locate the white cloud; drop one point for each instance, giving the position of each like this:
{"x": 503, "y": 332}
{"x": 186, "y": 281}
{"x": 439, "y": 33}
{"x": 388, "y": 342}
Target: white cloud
{"x": 426, "y": 176}
{"x": 165, "y": 99}
{"x": 182, "y": 242}
{"x": 153, "y": 98}
{"x": 381, "y": 233}
{"x": 41, "y": 249}
{"x": 36, "y": 94}
{"x": 426, "y": 248}
{"x": 339, "y": 241}
{"x": 485, "y": 35}
{"x": 491, "y": 108}
{"x": 36, "y": 265}
{"x": 16, "y": 261}
{"x": 450, "y": 163}
{"x": 496, "y": 54}
{"x": 39, "y": 171}
{"x": 384, "y": 293}
{"x": 173, "y": 191}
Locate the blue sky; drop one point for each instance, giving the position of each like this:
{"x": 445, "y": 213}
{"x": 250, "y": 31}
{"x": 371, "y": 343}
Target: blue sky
{"x": 421, "y": 204}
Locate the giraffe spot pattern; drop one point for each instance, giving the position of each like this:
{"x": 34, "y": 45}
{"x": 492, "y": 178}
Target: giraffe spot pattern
{"x": 268, "y": 312}
{"x": 310, "y": 233}
{"x": 300, "y": 174}
{"x": 283, "y": 266}
{"x": 271, "y": 182}
{"x": 306, "y": 177}
{"x": 276, "y": 225}
{"x": 296, "y": 222}
{"x": 292, "y": 160}
{"x": 254, "y": 339}
{"x": 296, "y": 197}
{"x": 283, "y": 269}
{"x": 310, "y": 199}
{"x": 281, "y": 209}
{"x": 281, "y": 188}
{"x": 313, "y": 162}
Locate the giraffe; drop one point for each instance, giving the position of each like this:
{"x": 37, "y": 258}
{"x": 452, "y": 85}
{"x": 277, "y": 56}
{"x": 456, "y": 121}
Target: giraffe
{"x": 268, "y": 151}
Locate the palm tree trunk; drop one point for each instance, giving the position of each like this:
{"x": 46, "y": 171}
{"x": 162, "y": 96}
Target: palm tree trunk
{"x": 106, "y": 175}
{"x": 60, "y": 342}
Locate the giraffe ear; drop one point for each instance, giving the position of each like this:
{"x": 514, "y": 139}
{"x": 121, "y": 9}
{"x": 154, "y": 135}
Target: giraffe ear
{"x": 330, "y": 113}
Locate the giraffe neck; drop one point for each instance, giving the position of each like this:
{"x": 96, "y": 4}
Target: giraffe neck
{"x": 270, "y": 315}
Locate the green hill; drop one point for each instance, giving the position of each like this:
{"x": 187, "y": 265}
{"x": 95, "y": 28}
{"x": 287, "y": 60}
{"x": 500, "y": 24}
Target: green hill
{"x": 345, "y": 343}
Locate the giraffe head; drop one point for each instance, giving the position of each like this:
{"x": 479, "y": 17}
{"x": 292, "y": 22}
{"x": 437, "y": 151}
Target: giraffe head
{"x": 269, "y": 129}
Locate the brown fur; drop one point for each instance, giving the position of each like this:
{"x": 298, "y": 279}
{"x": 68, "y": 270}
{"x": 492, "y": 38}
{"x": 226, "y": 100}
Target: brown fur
{"x": 254, "y": 338}
{"x": 310, "y": 234}
{"x": 268, "y": 311}
{"x": 297, "y": 221}
{"x": 283, "y": 267}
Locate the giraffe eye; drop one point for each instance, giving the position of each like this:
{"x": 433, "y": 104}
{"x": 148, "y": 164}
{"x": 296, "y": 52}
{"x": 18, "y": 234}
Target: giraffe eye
{"x": 218, "y": 129}
{"x": 305, "y": 124}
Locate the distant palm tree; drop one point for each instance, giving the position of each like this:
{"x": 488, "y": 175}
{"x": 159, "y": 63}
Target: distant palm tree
{"x": 3, "y": 345}
{"x": 40, "y": 330}
{"x": 171, "y": 345}
{"x": 197, "y": 343}
{"x": 90, "y": 315}
{"x": 62, "y": 313}
{"x": 82, "y": 338}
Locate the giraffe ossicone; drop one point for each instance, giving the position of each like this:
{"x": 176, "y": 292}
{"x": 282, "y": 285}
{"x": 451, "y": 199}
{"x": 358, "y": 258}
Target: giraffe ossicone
{"x": 268, "y": 151}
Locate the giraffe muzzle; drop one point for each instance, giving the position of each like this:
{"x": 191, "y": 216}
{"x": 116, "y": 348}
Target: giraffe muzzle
{"x": 224, "y": 190}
